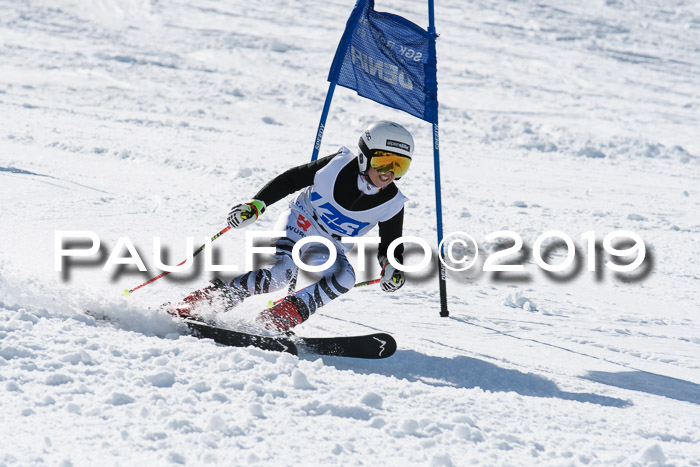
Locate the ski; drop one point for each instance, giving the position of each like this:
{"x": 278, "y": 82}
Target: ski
{"x": 240, "y": 339}
{"x": 370, "y": 346}
{"x": 374, "y": 346}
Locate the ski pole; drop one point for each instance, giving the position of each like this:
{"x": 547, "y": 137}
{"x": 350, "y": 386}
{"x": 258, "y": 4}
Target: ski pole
{"x": 128, "y": 292}
{"x": 272, "y": 303}
{"x": 373, "y": 281}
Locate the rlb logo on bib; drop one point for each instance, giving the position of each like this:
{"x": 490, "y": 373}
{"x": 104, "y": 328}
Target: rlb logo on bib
{"x": 339, "y": 222}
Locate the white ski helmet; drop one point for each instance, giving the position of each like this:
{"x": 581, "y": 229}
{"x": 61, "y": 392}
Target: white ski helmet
{"x": 384, "y": 137}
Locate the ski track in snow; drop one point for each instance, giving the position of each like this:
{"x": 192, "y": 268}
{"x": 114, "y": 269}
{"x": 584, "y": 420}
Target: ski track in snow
{"x": 142, "y": 119}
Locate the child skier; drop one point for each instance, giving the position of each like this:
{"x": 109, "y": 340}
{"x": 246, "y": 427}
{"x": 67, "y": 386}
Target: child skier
{"x": 343, "y": 196}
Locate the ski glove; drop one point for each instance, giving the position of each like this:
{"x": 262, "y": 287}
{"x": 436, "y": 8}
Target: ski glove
{"x": 392, "y": 279}
{"x": 242, "y": 215}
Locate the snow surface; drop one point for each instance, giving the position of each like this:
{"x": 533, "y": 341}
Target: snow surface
{"x": 135, "y": 118}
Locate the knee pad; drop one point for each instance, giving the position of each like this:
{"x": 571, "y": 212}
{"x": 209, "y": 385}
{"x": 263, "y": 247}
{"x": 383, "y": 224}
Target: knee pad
{"x": 270, "y": 279}
{"x": 343, "y": 277}
{"x": 282, "y": 272}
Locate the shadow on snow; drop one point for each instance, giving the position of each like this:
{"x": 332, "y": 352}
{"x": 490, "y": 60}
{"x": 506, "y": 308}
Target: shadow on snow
{"x": 466, "y": 372}
{"x": 650, "y": 383}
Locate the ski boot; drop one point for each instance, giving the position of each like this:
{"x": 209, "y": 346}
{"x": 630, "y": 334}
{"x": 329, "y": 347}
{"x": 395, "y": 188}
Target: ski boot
{"x": 285, "y": 315}
{"x": 217, "y": 297}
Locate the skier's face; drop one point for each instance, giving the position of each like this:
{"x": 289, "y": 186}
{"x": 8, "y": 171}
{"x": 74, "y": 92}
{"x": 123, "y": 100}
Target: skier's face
{"x": 380, "y": 180}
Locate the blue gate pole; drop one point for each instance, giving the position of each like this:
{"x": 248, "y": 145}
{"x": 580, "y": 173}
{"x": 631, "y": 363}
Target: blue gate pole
{"x": 322, "y": 123}
{"x": 438, "y": 211}
{"x": 442, "y": 276}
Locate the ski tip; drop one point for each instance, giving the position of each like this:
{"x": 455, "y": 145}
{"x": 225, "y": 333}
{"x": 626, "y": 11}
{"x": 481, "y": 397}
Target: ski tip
{"x": 388, "y": 344}
{"x": 127, "y": 293}
{"x": 370, "y": 346}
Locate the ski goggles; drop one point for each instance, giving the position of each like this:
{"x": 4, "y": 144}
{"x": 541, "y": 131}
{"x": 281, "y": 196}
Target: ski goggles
{"x": 385, "y": 161}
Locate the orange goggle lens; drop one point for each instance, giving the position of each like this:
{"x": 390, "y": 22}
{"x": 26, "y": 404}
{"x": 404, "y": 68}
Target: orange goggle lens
{"x": 384, "y": 162}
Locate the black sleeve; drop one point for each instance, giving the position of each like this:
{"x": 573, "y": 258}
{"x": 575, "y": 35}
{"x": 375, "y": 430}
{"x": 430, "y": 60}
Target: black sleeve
{"x": 389, "y": 231}
{"x": 292, "y": 180}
